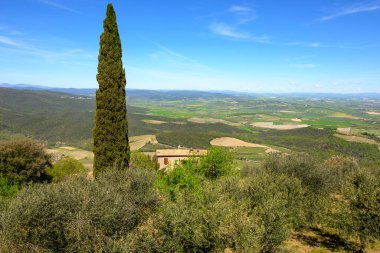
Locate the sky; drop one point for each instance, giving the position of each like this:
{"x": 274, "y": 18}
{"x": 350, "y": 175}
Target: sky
{"x": 249, "y": 45}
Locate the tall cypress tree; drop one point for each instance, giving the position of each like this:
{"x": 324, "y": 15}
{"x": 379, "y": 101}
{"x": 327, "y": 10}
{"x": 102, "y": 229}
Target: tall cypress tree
{"x": 111, "y": 145}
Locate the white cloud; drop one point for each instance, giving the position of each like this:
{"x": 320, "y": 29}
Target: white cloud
{"x": 58, "y": 6}
{"x": 228, "y": 31}
{"x": 8, "y": 41}
{"x": 243, "y": 14}
{"x": 314, "y": 44}
{"x": 171, "y": 53}
{"x": 353, "y": 9}
{"x": 168, "y": 57}
{"x": 17, "y": 48}
{"x": 240, "y": 9}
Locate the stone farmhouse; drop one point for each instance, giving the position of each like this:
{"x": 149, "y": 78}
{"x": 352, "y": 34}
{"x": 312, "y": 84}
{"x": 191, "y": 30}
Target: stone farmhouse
{"x": 168, "y": 157}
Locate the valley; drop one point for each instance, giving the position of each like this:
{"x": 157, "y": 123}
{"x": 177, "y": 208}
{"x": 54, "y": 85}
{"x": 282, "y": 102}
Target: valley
{"x": 324, "y": 125}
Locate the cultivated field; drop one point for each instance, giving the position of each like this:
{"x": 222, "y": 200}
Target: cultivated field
{"x": 270, "y": 125}
{"x": 137, "y": 142}
{"x": 233, "y": 143}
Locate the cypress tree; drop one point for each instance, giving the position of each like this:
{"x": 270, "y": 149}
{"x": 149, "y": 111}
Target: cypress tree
{"x": 111, "y": 145}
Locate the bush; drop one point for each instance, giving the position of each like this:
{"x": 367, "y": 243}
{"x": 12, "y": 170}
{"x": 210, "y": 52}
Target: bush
{"x": 358, "y": 209}
{"x": 65, "y": 168}
{"x": 7, "y": 190}
{"x": 182, "y": 177}
{"x": 78, "y": 215}
{"x": 255, "y": 214}
{"x": 317, "y": 181}
{"x": 140, "y": 160}
{"x": 23, "y": 161}
{"x": 211, "y": 222}
{"x": 218, "y": 162}
{"x": 276, "y": 200}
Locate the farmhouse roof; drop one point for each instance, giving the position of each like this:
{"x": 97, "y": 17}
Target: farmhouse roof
{"x": 180, "y": 152}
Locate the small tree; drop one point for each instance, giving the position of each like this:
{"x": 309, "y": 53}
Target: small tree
{"x": 110, "y": 133}
{"x": 217, "y": 163}
{"x": 65, "y": 168}
{"x": 23, "y": 161}
{"x": 140, "y": 160}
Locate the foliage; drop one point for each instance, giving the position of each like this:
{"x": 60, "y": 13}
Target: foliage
{"x": 140, "y": 160}
{"x": 184, "y": 210}
{"x": 23, "y": 161}
{"x": 217, "y": 163}
{"x": 78, "y": 215}
{"x": 277, "y": 201}
{"x": 358, "y": 210}
{"x": 211, "y": 222}
{"x": 111, "y": 146}
{"x": 184, "y": 177}
{"x": 65, "y": 168}
{"x": 7, "y": 190}
{"x": 255, "y": 214}
{"x": 318, "y": 181}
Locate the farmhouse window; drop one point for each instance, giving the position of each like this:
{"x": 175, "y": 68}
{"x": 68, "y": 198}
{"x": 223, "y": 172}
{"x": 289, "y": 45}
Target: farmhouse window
{"x": 166, "y": 161}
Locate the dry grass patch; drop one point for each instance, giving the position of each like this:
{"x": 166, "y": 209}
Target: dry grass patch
{"x": 270, "y": 125}
{"x": 137, "y": 142}
{"x": 345, "y": 116}
{"x": 76, "y": 153}
{"x": 344, "y": 130}
{"x": 212, "y": 120}
{"x": 68, "y": 148}
{"x": 83, "y": 156}
{"x": 233, "y": 142}
{"x": 374, "y": 113}
{"x": 356, "y": 139}
{"x": 154, "y": 122}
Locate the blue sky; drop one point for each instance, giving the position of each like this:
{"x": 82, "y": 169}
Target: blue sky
{"x": 255, "y": 46}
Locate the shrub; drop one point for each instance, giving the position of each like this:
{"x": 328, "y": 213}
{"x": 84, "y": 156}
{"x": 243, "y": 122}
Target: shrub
{"x": 65, "y": 168}
{"x": 254, "y": 214}
{"x": 23, "y": 161}
{"x": 218, "y": 162}
{"x": 7, "y": 189}
{"x": 211, "y": 222}
{"x": 358, "y": 210}
{"x": 78, "y": 215}
{"x": 317, "y": 181}
{"x": 181, "y": 178}
{"x": 140, "y": 160}
{"x": 276, "y": 200}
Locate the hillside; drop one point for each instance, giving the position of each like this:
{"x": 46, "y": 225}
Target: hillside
{"x": 68, "y": 118}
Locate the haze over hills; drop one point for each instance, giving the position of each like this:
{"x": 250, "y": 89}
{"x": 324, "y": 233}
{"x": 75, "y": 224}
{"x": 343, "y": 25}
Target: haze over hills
{"x": 163, "y": 93}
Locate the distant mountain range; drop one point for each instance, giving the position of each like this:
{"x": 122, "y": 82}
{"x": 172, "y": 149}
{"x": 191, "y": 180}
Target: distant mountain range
{"x": 86, "y": 92}
{"x": 201, "y": 94}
